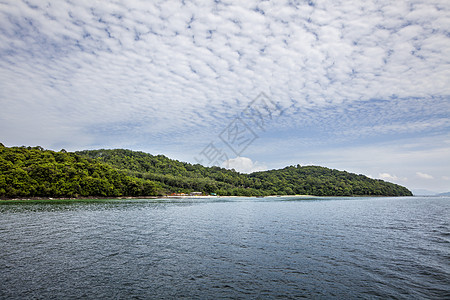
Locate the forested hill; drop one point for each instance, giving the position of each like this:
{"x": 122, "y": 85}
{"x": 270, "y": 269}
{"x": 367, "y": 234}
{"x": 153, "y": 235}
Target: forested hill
{"x": 179, "y": 176}
{"x": 36, "y": 172}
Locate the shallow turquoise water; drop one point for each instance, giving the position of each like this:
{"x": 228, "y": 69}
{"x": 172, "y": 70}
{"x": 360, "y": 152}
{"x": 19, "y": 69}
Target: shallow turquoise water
{"x": 226, "y": 248}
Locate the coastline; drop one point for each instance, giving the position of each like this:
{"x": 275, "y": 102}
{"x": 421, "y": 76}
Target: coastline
{"x": 162, "y": 197}
{"x": 143, "y": 197}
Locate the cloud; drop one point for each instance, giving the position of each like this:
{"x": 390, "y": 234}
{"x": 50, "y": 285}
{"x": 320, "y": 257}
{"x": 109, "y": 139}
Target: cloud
{"x": 389, "y": 177}
{"x": 168, "y": 76}
{"x": 423, "y": 175}
{"x": 445, "y": 178}
{"x": 243, "y": 165}
{"x": 170, "y": 60}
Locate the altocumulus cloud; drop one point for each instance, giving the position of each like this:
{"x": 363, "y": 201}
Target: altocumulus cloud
{"x": 167, "y": 76}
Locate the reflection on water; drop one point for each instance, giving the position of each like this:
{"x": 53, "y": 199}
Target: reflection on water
{"x": 226, "y": 248}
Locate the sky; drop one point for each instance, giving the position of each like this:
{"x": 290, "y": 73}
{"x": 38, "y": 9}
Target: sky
{"x": 361, "y": 86}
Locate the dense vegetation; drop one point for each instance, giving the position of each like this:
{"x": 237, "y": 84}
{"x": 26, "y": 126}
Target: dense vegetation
{"x": 178, "y": 176}
{"x": 175, "y": 176}
{"x": 313, "y": 180}
{"x": 35, "y": 172}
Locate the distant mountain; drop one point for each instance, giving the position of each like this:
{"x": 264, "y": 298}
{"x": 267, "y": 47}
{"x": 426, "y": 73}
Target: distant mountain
{"x": 36, "y": 172}
{"x": 443, "y": 194}
{"x": 423, "y": 192}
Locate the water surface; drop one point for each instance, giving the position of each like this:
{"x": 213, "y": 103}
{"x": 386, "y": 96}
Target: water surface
{"x": 226, "y": 248}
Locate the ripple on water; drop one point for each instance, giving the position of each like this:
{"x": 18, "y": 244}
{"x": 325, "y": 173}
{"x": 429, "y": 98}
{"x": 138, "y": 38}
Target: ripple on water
{"x": 228, "y": 248}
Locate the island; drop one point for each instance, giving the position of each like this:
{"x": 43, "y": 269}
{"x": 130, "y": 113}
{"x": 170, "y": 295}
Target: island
{"x": 27, "y": 172}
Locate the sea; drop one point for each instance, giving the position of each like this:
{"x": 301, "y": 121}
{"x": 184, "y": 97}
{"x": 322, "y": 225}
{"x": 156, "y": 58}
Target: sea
{"x": 226, "y": 248}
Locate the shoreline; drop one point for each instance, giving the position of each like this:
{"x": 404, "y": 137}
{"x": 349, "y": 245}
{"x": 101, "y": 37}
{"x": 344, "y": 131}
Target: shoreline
{"x": 25, "y": 199}
{"x": 145, "y": 197}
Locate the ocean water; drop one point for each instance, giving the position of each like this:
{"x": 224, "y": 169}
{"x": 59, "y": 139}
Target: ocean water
{"x": 226, "y": 248}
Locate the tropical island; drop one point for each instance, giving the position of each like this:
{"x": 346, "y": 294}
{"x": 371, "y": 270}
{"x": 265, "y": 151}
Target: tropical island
{"x": 27, "y": 172}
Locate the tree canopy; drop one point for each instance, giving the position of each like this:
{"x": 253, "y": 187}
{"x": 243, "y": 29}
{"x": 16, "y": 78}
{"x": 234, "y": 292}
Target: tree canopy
{"x": 184, "y": 177}
{"x": 36, "y": 172}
